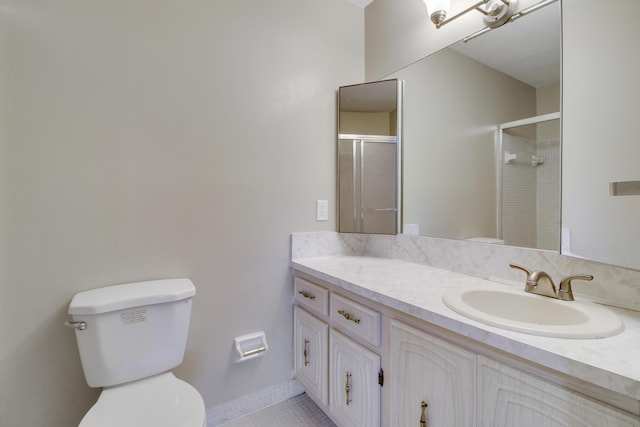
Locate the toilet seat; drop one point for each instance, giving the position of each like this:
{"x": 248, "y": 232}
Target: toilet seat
{"x": 159, "y": 401}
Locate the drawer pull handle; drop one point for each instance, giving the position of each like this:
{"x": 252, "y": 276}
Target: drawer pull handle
{"x": 307, "y": 295}
{"x": 423, "y": 415}
{"x": 347, "y": 388}
{"x": 348, "y": 316}
{"x": 306, "y": 353}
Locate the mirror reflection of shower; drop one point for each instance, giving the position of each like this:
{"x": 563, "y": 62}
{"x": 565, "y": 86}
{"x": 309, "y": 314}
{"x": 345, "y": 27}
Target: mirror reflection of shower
{"x": 528, "y": 181}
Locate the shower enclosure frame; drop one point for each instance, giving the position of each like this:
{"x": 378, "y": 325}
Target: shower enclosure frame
{"x": 499, "y": 160}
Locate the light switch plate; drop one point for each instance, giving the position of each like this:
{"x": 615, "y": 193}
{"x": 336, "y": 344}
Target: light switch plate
{"x": 322, "y": 210}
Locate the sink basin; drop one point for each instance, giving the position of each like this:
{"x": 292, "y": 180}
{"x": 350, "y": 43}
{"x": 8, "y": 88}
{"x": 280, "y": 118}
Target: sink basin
{"x": 520, "y": 311}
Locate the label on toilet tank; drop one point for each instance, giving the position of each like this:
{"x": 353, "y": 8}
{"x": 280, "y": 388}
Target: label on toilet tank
{"x": 133, "y": 316}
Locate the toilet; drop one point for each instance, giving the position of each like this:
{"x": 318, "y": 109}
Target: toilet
{"x": 129, "y": 338}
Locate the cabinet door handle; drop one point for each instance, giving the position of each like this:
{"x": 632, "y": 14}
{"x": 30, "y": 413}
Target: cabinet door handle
{"x": 307, "y": 295}
{"x": 306, "y": 353}
{"x": 348, "y": 316}
{"x": 423, "y": 415}
{"x": 347, "y": 388}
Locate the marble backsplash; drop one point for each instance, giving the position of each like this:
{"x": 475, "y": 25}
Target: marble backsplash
{"x": 611, "y": 285}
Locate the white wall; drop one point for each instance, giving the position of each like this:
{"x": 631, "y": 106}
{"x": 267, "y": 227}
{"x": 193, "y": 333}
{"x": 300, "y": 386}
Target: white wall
{"x": 449, "y": 123}
{"x": 150, "y": 139}
{"x": 601, "y": 130}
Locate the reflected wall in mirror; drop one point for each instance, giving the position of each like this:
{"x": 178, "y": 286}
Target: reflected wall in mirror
{"x": 369, "y": 136}
{"x": 455, "y": 101}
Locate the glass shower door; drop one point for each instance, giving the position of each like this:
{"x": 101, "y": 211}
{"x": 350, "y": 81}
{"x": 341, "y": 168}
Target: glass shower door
{"x": 529, "y": 183}
{"x": 368, "y": 167}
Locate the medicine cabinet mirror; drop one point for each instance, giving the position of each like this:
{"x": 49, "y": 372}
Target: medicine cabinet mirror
{"x": 369, "y": 143}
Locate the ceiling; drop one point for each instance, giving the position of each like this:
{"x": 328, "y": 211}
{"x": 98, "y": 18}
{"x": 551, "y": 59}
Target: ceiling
{"x": 361, "y": 3}
{"x": 527, "y": 49}
{"x": 373, "y": 97}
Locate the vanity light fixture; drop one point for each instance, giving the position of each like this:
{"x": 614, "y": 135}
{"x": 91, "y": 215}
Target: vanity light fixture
{"x": 437, "y": 10}
{"x": 496, "y": 12}
{"x": 515, "y": 16}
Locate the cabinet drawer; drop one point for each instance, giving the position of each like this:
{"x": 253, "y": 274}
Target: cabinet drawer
{"x": 353, "y": 317}
{"x": 311, "y": 296}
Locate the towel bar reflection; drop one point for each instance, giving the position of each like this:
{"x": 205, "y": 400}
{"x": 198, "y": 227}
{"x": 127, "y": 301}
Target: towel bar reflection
{"x": 625, "y": 188}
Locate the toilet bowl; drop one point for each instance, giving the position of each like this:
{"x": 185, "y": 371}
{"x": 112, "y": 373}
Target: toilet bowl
{"x": 160, "y": 401}
{"x": 129, "y": 338}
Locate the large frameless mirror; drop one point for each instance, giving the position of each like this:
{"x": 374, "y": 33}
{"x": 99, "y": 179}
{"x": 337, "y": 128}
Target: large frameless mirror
{"x": 369, "y": 144}
{"x": 482, "y": 145}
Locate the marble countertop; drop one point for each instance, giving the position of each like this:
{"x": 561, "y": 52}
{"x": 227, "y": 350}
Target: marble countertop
{"x": 415, "y": 289}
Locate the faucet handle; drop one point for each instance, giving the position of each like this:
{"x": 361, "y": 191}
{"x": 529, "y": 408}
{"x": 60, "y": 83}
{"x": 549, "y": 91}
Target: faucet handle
{"x": 528, "y": 287}
{"x": 532, "y": 280}
{"x": 519, "y": 267}
{"x": 565, "y": 292}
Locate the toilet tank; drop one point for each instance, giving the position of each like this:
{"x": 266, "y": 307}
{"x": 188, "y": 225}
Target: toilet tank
{"x": 133, "y": 330}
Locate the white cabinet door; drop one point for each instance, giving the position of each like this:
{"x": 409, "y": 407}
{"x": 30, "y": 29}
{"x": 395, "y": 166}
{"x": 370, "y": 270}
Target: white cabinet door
{"x": 510, "y": 398}
{"x": 310, "y": 354}
{"x": 426, "y": 369}
{"x": 354, "y": 397}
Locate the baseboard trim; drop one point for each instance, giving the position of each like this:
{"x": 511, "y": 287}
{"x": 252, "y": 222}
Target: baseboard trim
{"x": 253, "y": 402}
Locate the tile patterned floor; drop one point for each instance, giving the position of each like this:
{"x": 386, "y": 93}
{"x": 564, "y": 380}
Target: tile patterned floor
{"x": 299, "y": 411}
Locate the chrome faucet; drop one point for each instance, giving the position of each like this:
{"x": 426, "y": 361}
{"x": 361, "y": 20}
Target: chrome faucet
{"x": 540, "y": 283}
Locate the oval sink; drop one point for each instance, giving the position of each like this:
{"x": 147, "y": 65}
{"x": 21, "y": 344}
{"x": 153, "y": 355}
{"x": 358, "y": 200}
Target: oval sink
{"x": 533, "y": 314}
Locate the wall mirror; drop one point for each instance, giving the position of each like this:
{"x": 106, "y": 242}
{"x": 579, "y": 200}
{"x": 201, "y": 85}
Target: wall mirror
{"x": 481, "y": 127}
{"x": 369, "y": 141}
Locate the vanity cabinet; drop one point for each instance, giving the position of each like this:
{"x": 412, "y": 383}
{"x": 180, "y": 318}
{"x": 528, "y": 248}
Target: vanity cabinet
{"x": 310, "y": 345}
{"x": 432, "y": 377}
{"x": 353, "y": 369}
{"x": 311, "y": 338}
{"x": 332, "y": 360}
{"x": 312, "y": 297}
{"x": 432, "y": 380}
{"x": 513, "y": 398}
{"x": 354, "y": 389}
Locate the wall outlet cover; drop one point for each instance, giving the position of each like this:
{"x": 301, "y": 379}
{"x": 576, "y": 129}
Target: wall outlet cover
{"x": 322, "y": 210}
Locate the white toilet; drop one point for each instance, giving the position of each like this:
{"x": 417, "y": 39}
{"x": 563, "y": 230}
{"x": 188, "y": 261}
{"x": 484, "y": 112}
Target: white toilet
{"x": 130, "y": 337}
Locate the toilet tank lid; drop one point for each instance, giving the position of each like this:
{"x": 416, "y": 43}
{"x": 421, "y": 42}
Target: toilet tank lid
{"x": 128, "y": 295}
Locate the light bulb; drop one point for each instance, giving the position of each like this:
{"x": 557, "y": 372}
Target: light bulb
{"x": 437, "y": 10}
